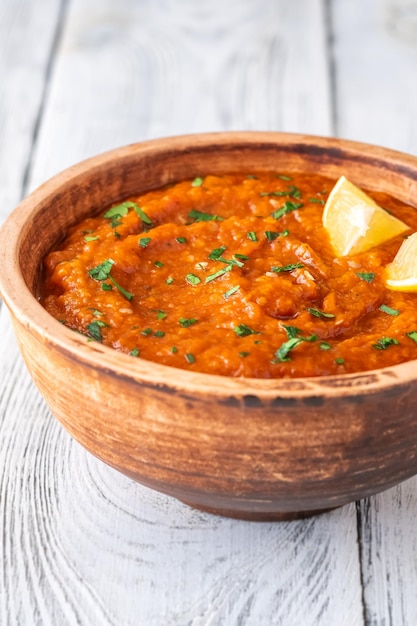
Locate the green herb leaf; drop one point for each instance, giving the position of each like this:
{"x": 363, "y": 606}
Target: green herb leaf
{"x": 185, "y": 323}
{"x": 324, "y": 345}
{"x": 242, "y": 330}
{"x": 287, "y": 208}
{"x": 106, "y": 287}
{"x": 384, "y": 342}
{"x": 169, "y": 280}
{"x": 197, "y": 182}
{"x": 217, "y": 274}
{"x": 292, "y": 331}
{"x": 134, "y": 352}
{"x": 142, "y": 215}
{"x": 90, "y": 238}
{"x": 321, "y": 314}
{"x": 231, "y": 291}
{"x": 158, "y": 264}
{"x": 387, "y": 309}
{"x": 124, "y": 292}
{"x": 101, "y": 271}
{"x": 190, "y": 358}
{"x": 161, "y": 315}
{"x": 412, "y": 335}
{"x": 200, "y": 216}
{"x": 94, "y": 329}
{"x": 216, "y": 253}
{"x": 146, "y": 332}
{"x": 181, "y": 239}
{"x": 159, "y": 333}
{"x": 339, "y": 361}
{"x": 144, "y": 241}
{"x": 282, "y": 353}
{"x": 117, "y": 211}
{"x": 192, "y": 279}
{"x": 284, "y": 177}
{"x": 317, "y": 200}
{"x": 244, "y": 354}
{"x": 366, "y": 276}
{"x": 286, "y": 268}
{"x": 252, "y": 235}
{"x": 174, "y": 349}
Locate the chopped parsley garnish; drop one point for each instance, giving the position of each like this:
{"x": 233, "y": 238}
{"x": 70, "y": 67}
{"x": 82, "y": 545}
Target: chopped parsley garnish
{"x": 161, "y": 315}
{"x": 141, "y": 214}
{"x": 106, "y": 287}
{"x": 174, "y": 349}
{"x": 159, "y": 333}
{"x": 146, "y": 332}
{"x": 117, "y": 211}
{"x": 216, "y": 253}
{"x": 282, "y": 353}
{"x": 366, "y": 276}
{"x": 317, "y": 200}
{"x": 158, "y": 264}
{"x": 244, "y": 354}
{"x": 284, "y": 177}
{"x": 144, "y": 241}
{"x": 169, "y": 280}
{"x": 88, "y": 238}
{"x": 231, "y": 291}
{"x": 292, "y": 191}
{"x": 102, "y": 272}
{"x": 94, "y": 329}
{"x": 252, "y": 235}
{"x": 321, "y": 314}
{"x": 292, "y": 331}
{"x": 384, "y": 342}
{"x": 339, "y": 361}
{"x": 242, "y": 330}
{"x": 197, "y": 182}
{"x": 184, "y": 322}
{"x": 286, "y": 268}
{"x": 387, "y": 309}
{"x": 200, "y": 216}
{"x": 324, "y": 345}
{"x": 192, "y": 279}
{"x": 134, "y": 352}
{"x": 189, "y": 357}
{"x": 181, "y": 239}
{"x": 95, "y": 312}
{"x": 413, "y": 335}
{"x": 219, "y": 273}
{"x": 287, "y": 208}
{"x": 295, "y": 339}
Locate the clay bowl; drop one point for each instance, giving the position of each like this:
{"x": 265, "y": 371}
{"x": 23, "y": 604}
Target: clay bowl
{"x": 245, "y": 448}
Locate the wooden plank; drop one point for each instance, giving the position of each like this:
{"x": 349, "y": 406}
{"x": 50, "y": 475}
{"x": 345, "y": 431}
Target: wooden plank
{"x": 376, "y": 63}
{"x": 26, "y": 43}
{"x": 143, "y": 70}
{"x": 82, "y": 544}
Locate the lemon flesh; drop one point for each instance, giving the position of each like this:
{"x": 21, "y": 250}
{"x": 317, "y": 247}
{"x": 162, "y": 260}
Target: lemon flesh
{"x": 355, "y": 222}
{"x": 401, "y": 274}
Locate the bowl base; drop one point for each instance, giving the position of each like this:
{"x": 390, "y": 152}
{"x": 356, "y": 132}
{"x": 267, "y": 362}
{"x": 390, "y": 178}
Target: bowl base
{"x": 259, "y": 516}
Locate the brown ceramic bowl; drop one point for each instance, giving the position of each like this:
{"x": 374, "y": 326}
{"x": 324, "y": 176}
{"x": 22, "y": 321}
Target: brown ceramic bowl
{"x": 246, "y": 448}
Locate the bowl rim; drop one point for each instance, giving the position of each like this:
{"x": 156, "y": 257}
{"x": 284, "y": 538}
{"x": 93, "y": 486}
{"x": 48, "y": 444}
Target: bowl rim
{"x": 26, "y": 309}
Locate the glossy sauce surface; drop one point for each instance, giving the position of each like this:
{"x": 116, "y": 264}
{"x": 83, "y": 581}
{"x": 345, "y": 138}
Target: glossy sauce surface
{"x": 233, "y": 275}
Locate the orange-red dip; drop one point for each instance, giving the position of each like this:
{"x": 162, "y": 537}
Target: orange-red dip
{"x": 232, "y": 275}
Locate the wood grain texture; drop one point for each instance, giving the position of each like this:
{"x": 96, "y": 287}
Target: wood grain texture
{"x": 375, "y": 53}
{"x": 80, "y": 544}
{"x": 26, "y": 50}
{"x": 376, "y": 100}
{"x": 147, "y": 69}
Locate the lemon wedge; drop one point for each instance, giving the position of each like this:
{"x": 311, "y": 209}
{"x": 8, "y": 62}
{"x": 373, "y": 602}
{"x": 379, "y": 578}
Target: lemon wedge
{"x": 401, "y": 274}
{"x": 355, "y": 222}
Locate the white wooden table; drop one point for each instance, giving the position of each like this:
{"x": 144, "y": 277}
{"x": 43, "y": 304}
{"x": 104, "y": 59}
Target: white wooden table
{"x": 79, "y": 543}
